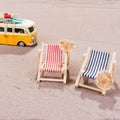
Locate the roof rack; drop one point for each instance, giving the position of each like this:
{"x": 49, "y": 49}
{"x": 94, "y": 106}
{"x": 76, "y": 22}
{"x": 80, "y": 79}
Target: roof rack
{"x": 9, "y": 19}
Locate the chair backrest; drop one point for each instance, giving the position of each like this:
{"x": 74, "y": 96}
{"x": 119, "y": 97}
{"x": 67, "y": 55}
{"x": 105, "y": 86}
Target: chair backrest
{"x": 53, "y": 59}
{"x": 98, "y": 61}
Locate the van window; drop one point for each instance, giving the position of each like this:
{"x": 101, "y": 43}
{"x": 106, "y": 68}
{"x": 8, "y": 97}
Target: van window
{"x": 31, "y": 29}
{"x": 9, "y": 29}
{"x": 18, "y": 30}
{"x": 1, "y": 29}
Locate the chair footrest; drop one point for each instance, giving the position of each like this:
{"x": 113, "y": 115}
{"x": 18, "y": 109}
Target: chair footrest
{"x": 89, "y": 87}
{"x": 50, "y": 79}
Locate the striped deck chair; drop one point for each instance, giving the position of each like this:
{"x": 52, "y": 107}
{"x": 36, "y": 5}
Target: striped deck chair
{"x": 96, "y": 61}
{"x": 52, "y": 63}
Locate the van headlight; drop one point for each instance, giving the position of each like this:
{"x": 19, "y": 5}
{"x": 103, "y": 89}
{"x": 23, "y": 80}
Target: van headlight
{"x": 33, "y": 37}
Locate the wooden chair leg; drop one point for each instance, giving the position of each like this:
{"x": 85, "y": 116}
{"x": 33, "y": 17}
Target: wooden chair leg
{"x": 78, "y": 80}
{"x": 103, "y": 92}
{"x": 65, "y": 77}
{"x": 38, "y": 77}
{"x": 40, "y": 57}
{"x": 65, "y": 69}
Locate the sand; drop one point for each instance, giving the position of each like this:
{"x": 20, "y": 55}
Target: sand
{"x": 91, "y": 23}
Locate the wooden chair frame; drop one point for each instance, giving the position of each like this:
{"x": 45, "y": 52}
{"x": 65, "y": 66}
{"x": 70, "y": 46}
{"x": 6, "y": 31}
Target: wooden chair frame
{"x": 42, "y": 63}
{"x": 83, "y": 68}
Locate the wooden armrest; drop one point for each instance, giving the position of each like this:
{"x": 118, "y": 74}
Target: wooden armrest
{"x": 39, "y": 54}
{"x": 113, "y": 68}
{"x": 112, "y": 64}
{"x": 83, "y": 57}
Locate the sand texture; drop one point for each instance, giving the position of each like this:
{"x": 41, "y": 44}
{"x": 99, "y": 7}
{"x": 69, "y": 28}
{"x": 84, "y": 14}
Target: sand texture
{"x": 94, "y": 23}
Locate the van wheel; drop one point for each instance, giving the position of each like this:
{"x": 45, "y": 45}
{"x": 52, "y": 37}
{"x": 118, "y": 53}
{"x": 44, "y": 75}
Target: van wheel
{"x": 21, "y": 44}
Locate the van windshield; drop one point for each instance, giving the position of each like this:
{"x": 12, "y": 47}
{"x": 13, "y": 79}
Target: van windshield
{"x": 31, "y": 29}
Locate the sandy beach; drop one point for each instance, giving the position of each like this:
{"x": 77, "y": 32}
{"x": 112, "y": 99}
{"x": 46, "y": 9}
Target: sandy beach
{"x": 89, "y": 23}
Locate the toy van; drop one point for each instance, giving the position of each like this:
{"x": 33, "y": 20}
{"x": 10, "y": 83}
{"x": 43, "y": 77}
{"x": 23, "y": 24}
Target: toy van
{"x": 17, "y": 31}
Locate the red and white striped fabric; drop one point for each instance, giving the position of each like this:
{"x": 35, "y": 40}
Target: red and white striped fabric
{"x": 53, "y": 59}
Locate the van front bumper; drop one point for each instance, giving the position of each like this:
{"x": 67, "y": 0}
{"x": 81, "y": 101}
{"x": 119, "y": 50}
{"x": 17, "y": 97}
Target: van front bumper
{"x": 32, "y": 44}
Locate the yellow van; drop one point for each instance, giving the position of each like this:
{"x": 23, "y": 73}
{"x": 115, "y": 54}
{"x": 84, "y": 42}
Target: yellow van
{"x": 17, "y": 31}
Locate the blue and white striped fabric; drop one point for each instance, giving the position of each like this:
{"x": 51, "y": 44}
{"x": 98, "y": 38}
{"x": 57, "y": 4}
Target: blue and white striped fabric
{"x": 98, "y": 61}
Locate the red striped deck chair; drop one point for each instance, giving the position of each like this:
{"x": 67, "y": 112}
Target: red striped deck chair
{"x": 93, "y": 62}
{"x": 53, "y": 62}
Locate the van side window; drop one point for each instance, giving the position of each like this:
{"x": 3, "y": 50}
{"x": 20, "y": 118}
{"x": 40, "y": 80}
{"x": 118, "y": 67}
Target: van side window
{"x": 1, "y": 29}
{"x": 9, "y": 29}
{"x": 18, "y": 30}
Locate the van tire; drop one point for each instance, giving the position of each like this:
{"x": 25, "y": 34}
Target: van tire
{"x": 21, "y": 44}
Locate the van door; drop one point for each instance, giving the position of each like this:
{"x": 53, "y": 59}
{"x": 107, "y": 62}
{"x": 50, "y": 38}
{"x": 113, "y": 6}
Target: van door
{"x": 20, "y": 36}
{"x": 10, "y": 36}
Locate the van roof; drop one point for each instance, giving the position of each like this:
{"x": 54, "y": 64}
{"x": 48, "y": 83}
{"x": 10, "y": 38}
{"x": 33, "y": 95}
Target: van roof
{"x": 24, "y": 23}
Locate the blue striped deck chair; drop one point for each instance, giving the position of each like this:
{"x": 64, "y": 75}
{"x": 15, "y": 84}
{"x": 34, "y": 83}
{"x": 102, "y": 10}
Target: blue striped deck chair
{"x": 55, "y": 61}
{"x": 93, "y": 63}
